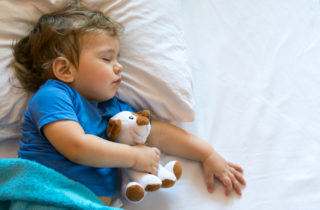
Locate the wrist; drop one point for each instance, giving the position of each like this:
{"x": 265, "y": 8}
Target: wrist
{"x": 134, "y": 157}
{"x": 206, "y": 150}
{"x": 207, "y": 154}
{"x": 130, "y": 157}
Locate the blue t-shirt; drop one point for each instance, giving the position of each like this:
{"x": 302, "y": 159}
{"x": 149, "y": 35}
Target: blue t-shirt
{"x": 57, "y": 101}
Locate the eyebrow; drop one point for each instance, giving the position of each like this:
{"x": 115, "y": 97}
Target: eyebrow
{"x": 110, "y": 51}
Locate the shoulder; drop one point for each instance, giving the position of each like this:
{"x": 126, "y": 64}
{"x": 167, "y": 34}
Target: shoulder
{"x": 51, "y": 93}
{"x": 54, "y": 86}
{"x": 51, "y": 90}
{"x": 53, "y": 101}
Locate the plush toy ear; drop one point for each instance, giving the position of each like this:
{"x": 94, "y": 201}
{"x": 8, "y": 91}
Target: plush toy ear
{"x": 143, "y": 117}
{"x": 145, "y": 113}
{"x": 114, "y": 128}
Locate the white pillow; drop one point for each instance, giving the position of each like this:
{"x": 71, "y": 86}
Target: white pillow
{"x": 17, "y": 18}
{"x": 156, "y": 75}
{"x": 153, "y": 52}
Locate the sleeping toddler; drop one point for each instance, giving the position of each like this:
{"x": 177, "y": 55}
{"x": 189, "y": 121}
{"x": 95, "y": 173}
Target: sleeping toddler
{"x": 70, "y": 61}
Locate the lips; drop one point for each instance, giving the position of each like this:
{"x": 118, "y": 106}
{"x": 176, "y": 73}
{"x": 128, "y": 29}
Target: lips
{"x": 118, "y": 81}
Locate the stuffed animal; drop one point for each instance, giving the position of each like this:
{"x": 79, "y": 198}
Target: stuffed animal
{"x": 133, "y": 128}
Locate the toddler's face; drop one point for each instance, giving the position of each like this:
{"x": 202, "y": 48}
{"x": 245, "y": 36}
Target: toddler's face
{"x": 98, "y": 76}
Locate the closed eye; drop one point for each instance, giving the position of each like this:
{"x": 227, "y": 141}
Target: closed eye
{"x": 131, "y": 117}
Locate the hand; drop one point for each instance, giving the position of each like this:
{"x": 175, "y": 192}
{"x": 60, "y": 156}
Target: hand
{"x": 146, "y": 158}
{"x": 228, "y": 173}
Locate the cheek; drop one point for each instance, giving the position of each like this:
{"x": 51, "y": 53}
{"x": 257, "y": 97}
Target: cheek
{"x": 105, "y": 74}
{"x": 107, "y": 77}
{"x": 101, "y": 77}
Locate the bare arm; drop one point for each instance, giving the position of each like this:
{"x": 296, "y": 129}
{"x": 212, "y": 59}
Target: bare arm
{"x": 176, "y": 141}
{"x": 69, "y": 139}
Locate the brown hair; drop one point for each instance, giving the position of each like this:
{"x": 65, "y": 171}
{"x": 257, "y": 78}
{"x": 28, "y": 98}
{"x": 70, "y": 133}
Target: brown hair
{"x": 56, "y": 34}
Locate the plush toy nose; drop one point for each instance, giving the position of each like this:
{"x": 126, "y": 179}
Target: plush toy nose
{"x": 141, "y": 120}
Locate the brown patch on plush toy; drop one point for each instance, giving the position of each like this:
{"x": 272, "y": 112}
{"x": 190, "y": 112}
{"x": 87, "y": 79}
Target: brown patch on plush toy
{"x": 152, "y": 187}
{"x": 135, "y": 193}
{"x": 145, "y": 113}
{"x": 114, "y": 128}
{"x": 142, "y": 120}
{"x": 167, "y": 183}
{"x": 177, "y": 169}
{"x": 143, "y": 117}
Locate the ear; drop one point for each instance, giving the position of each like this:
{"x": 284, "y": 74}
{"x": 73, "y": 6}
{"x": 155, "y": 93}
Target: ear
{"x": 145, "y": 113}
{"x": 114, "y": 128}
{"x": 63, "y": 69}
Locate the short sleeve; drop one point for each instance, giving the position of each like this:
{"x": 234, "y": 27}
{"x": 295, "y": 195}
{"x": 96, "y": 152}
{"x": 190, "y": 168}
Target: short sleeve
{"x": 50, "y": 104}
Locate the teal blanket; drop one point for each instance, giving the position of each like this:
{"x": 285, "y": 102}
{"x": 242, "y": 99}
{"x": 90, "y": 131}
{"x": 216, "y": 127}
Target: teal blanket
{"x": 26, "y": 184}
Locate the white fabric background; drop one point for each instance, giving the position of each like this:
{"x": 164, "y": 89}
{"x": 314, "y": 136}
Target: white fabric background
{"x": 256, "y": 66}
{"x": 256, "y": 84}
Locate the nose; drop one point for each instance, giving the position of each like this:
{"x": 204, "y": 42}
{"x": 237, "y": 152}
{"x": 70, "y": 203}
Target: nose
{"x": 117, "y": 68}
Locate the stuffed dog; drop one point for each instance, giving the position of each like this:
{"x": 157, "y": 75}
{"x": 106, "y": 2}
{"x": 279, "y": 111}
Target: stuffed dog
{"x": 133, "y": 128}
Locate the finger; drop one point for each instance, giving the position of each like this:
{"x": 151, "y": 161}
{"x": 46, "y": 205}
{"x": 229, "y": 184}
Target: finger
{"x": 156, "y": 159}
{"x": 226, "y": 182}
{"x": 156, "y": 165}
{"x": 238, "y": 168}
{"x": 156, "y": 150}
{"x": 154, "y": 170}
{"x": 238, "y": 176}
{"x": 235, "y": 183}
{"x": 209, "y": 181}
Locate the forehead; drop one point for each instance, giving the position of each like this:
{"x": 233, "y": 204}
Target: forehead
{"x": 99, "y": 40}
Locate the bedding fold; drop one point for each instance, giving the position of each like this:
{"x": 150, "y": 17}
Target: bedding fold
{"x": 26, "y": 184}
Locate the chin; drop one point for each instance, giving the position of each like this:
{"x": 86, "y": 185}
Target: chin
{"x": 109, "y": 96}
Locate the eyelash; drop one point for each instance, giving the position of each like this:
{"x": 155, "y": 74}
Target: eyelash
{"x": 110, "y": 59}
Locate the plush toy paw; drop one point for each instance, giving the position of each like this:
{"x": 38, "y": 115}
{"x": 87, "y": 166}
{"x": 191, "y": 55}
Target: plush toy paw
{"x": 134, "y": 192}
{"x": 151, "y": 182}
{"x": 170, "y": 173}
{"x": 167, "y": 178}
{"x": 174, "y": 167}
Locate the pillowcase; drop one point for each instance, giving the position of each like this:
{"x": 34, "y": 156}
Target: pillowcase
{"x": 153, "y": 53}
{"x": 155, "y": 76}
{"x": 16, "y": 20}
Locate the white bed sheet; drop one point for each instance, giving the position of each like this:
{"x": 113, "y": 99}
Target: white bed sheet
{"x": 256, "y": 66}
{"x": 256, "y": 83}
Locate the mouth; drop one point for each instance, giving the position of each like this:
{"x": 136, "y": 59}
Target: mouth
{"x": 118, "y": 81}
